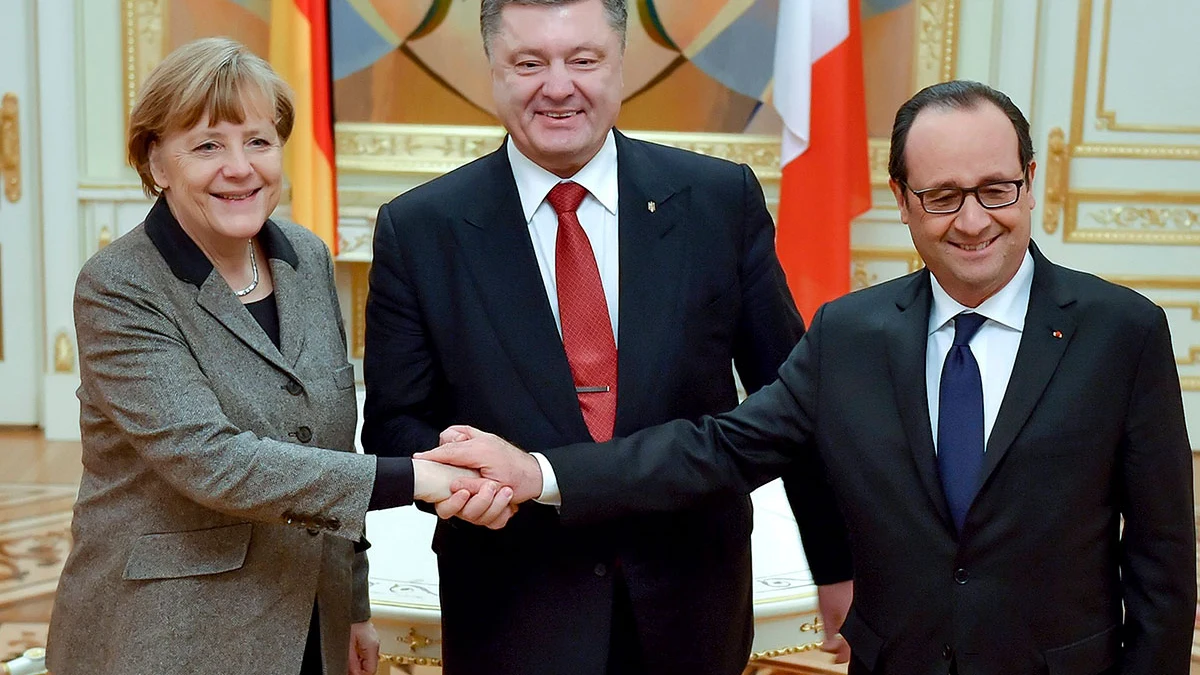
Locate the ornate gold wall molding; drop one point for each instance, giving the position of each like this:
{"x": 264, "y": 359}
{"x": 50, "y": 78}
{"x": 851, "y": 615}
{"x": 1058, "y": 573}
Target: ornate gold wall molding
{"x": 861, "y": 258}
{"x": 1106, "y": 119}
{"x": 1078, "y": 146}
{"x": 145, "y": 39}
{"x": 1193, "y": 354}
{"x": 10, "y": 146}
{"x": 434, "y": 150}
{"x": 1189, "y": 383}
{"x": 879, "y": 149}
{"x": 1156, "y": 282}
{"x": 1148, "y": 218}
{"x": 1135, "y": 217}
{"x": 1058, "y": 164}
{"x": 937, "y": 42}
{"x": 64, "y": 353}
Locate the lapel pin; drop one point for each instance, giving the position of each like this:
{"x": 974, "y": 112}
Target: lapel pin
{"x": 651, "y": 206}
{"x": 1057, "y": 334}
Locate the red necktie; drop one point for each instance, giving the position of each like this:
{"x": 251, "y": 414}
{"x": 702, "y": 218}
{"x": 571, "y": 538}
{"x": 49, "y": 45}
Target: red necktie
{"x": 586, "y": 327}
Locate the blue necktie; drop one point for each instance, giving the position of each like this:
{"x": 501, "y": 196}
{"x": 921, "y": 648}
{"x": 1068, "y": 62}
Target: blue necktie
{"x": 960, "y": 420}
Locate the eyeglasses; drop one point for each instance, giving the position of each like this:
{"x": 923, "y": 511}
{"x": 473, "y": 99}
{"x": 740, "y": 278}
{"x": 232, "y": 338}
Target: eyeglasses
{"x": 949, "y": 199}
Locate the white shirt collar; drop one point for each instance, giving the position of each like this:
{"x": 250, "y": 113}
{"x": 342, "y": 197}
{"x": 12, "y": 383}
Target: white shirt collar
{"x": 1007, "y": 307}
{"x": 599, "y": 176}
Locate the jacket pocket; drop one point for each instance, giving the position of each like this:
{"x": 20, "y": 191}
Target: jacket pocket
{"x": 864, "y": 642}
{"x": 174, "y": 555}
{"x": 343, "y": 378}
{"x": 1093, "y": 654}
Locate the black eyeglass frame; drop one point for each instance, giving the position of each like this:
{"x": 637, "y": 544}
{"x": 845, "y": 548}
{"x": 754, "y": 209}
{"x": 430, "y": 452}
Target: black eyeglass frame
{"x": 962, "y": 195}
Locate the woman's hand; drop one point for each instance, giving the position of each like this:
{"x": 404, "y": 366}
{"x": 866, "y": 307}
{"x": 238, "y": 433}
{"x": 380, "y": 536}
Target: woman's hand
{"x": 364, "y": 649}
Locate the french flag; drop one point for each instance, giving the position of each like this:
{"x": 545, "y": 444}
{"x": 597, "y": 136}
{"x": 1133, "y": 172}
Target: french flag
{"x": 818, "y": 91}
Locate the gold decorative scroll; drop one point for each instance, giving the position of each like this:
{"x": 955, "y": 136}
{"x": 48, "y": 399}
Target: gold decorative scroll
{"x": 1057, "y": 179}
{"x": 1134, "y": 217}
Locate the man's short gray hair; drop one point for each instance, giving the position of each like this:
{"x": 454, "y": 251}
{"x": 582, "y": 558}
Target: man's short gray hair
{"x": 489, "y": 16}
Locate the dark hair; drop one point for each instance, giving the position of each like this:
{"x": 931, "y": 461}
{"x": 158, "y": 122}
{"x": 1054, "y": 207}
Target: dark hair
{"x": 489, "y": 16}
{"x": 954, "y": 95}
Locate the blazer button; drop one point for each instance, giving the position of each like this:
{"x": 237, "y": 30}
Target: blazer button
{"x": 947, "y": 652}
{"x": 960, "y": 576}
{"x": 333, "y": 524}
{"x": 293, "y": 387}
{"x": 601, "y": 569}
{"x": 304, "y": 434}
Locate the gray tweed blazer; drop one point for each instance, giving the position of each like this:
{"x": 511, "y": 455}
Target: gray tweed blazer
{"x": 221, "y": 493}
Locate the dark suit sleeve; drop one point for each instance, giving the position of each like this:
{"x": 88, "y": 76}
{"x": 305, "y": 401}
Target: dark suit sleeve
{"x": 768, "y": 328}
{"x": 680, "y": 463}
{"x": 398, "y": 365}
{"x": 1158, "y": 539}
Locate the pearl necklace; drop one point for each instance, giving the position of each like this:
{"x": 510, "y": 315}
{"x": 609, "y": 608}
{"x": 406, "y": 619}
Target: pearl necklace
{"x": 254, "y": 271}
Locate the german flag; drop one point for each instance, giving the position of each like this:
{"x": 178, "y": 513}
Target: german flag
{"x": 300, "y": 54}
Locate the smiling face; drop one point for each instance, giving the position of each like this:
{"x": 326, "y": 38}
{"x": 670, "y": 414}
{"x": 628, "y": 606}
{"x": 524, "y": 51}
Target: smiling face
{"x": 222, "y": 181}
{"x": 556, "y": 79}
{"x": 973, "y": 253}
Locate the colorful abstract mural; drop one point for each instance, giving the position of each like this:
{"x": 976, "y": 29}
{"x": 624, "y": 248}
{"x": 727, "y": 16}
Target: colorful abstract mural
{"x": 690, "y": 65}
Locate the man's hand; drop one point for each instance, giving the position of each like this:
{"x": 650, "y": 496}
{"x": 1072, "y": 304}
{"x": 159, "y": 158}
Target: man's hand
{"x": 364, "y": 649}
{"x": 833, "y": 601}
{"x": 494, "y": 458}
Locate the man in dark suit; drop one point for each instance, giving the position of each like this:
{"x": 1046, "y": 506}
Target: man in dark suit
{"x": 1004, "y": 436}
{"x": 495, "y": 301}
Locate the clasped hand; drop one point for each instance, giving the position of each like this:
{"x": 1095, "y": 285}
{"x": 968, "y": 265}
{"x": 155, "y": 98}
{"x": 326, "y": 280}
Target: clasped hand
{"x": 476, "y": 476}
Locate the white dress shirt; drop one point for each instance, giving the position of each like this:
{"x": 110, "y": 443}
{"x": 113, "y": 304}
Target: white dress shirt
{"x": 597, "y": 215}
{"x": 994, "y": 346}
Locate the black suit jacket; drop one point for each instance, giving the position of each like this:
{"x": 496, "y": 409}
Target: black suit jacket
{"x": 1042, "y": 578}
{"x": 459, "y": 330}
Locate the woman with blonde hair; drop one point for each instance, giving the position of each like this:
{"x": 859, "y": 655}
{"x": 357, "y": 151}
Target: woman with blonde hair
{"x": 220, "y": 520}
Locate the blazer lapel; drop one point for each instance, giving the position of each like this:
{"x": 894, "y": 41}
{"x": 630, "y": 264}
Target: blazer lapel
{"x": 651, "y": 252}
{"x": 495, "y": 242}
{"x": 1048, "y": 330}
{"x": 289, "y": 298}
{"x": 215, "y": 297}
{"x": 907, "y": 335}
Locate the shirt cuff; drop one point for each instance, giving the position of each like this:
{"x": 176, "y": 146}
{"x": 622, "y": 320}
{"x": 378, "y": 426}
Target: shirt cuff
{"x": 393, "y": 483}
{"x": 550, "y": 495}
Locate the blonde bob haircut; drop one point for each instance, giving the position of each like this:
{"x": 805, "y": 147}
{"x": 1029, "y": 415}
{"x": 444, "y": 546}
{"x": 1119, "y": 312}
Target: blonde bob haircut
{"x": 214, "y": 77}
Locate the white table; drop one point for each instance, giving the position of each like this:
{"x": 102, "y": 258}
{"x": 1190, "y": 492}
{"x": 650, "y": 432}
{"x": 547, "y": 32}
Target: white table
{"x": 404, "y": 583}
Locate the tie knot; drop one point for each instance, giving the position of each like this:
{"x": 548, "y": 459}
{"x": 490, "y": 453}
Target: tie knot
{"x": 566, "y": 197}
{"x": 965, "y": 327}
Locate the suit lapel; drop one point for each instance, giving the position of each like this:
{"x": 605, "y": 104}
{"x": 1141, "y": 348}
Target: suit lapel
{"x": 1037, "y": 358}
{"x": 214, "y": 296}
{"x": 651, "y": 252}
{"x": 907, "y": 335}
{"x": 289, "y": 298}
{"x": 499, "y": 253}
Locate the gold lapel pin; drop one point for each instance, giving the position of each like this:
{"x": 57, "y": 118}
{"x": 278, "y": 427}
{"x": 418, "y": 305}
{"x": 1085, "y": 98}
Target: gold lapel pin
{"x": 1057, "y": 334}
{"x": 651, "y": 206}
